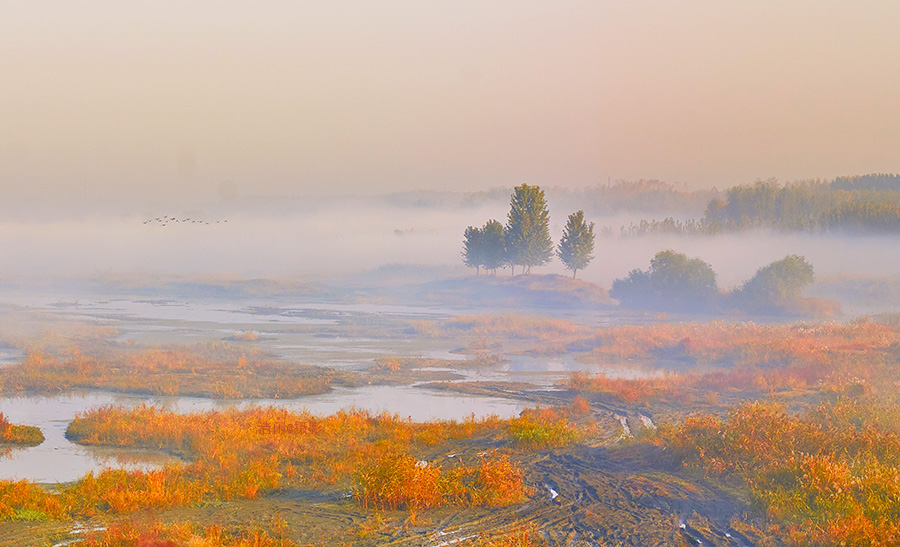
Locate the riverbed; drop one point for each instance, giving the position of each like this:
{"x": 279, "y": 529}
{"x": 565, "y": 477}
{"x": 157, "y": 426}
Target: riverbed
{"x": 331, "y": 334}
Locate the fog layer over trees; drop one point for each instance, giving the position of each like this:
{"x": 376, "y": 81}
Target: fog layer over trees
{"x": 321, "y": 238}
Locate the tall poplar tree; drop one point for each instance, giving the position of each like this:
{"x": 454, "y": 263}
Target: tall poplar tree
{"x": 577, "y": 243}
{"x": 528, "y": 228}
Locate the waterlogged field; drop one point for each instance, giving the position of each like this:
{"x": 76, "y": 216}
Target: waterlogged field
{"x": 130, "y": 422}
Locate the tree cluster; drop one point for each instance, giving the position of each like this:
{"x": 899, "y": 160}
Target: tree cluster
{"x": 525, "y": 239}
{"x": 676, "y": 282}
{"x": 673, "y": 282}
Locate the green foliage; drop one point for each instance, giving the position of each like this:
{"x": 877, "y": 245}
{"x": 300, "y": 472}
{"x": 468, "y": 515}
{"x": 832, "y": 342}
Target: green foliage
{"x": 532, "y": 433}
{"x": 673, "y": 282}
{"x": 485, "y": 246}
{"x": 635, "y": 290}
{"x": 797, "y": 206}
{"x": 473, "y": 248}
{"x": 866, "y": 203}
{"x": 777, "y": 284}
{"x": 861, "y": 203}
{"x": 32, "y": 515}
{"x": 753, "y": 205}
{"x": 875, "y": 181}
{"x": 577, "y": 243}
{"x": 864, "y": 216}
{"x": 494, "y": 245}
{"x": 528, "y": 228}
{"x": 676, "y": 273}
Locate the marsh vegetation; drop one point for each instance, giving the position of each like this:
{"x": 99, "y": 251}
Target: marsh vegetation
{"x": 654, "y": 432}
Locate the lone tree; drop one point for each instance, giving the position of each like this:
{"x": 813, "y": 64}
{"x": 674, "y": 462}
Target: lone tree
{"x": 577, "y": 243}
{"x": 528, "y": 228}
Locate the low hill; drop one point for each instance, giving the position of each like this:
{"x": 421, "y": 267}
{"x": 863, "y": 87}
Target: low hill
{"x": 521, "y": 291}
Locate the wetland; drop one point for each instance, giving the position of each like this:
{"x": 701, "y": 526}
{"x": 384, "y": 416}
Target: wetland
{"x": 358, "y": 421}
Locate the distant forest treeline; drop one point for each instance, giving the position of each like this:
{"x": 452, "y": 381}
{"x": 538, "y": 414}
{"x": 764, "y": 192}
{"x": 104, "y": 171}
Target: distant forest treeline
{"x": 640, "y": 196}
{"x": 859, "y": 204}
{"x": 852, "y": 204}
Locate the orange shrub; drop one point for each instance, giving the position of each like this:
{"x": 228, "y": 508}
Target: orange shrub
{"x": 760, "y": 359}
{"x": 830, "y": 477}
{"x": 131, "y": 534}
{"x": 209, "y": 371}
{"x": 542, "y": 428}
{"x": 525, "y": 535}
{"x": 19, "y": 434}
{"x": 20, "y": 499}
{"x": 398, "y": 481}
{"x": 242, "y": 454}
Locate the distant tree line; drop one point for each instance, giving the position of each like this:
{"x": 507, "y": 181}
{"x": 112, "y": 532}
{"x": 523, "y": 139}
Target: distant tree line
{"x": 643, "y": 196}
{"x": 868, "y": 203}
{"x": 525, "y": 239}
{"x": 675, "y": 282}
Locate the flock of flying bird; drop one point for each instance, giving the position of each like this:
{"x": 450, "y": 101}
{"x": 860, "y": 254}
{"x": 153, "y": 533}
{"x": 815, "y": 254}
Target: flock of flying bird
{"x": 166, "y": 219}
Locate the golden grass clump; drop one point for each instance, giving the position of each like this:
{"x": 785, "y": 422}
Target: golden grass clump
{"x": 761, "y": 359}
{"x": 241, "y": 454}
{"x": 829, "y": 477}
{"x": 210, "y": 371}
{"x": 131, "y": 534}
{"x": 27, "y": 435}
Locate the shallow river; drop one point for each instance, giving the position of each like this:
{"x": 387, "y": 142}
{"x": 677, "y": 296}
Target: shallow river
{"x": 58, "y": 460}
{"x": 298, "y": 331}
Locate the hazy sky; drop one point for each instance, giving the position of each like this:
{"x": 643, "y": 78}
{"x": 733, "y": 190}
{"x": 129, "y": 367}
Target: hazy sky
{"x": 167, "y": 99}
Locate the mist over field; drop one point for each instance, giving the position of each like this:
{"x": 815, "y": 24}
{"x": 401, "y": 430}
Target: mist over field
{"x": 315, "y": 240}
{"x": 304, "y": 273}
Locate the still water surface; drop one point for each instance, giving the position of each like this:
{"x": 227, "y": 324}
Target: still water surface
{"x": 58, "y": 460}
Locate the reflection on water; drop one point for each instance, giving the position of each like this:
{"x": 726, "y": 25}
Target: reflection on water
{"x": 185, "y": 311}
{"x": 287, "y": 330}
{"x": 10, "y": 356}
{"x": 546, "y": 372}
{"x": 568, "y": 364}
{"x": 443, "y": 354}
{"x": 58, "y": 460}
{"x": 406, "y": 401}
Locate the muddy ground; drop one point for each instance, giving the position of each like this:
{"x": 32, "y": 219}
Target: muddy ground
{"x": 633, "y": 495}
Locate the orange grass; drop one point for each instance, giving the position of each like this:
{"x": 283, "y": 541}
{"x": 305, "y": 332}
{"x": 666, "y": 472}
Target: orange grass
{"x": 525, "y": 535}
{"x": 516, "y": 326}
{"x": 402, "y": 482}
{"x": 547, "y": 427}
{"x": 208, "y": 371}
{"x": 830, "y": 477}
{"x": 742, "y": 343}
{"x": 133, "y": 534}
{"x": 242, "y": 454}
{"x": 761, "y": 358}
{"x": 21, "y": 498}
{"x": 19, "y": 434}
